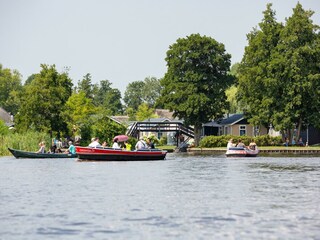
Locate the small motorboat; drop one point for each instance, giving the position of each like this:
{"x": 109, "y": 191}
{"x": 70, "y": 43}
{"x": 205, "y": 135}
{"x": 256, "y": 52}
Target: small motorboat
{"x": 26, "y": 154}
{"x": 118, "y": 154}
{"x": 241, "y": 152}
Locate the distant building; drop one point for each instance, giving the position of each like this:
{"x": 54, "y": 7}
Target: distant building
{"x": 6, "y": 117}
{"x": 235, "y": 124}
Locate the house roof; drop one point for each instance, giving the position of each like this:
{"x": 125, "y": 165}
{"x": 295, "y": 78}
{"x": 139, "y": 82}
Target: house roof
{"x": 157, "y": 120}
{"x": 164, "y": 113}
{"x": 232, "y": 119}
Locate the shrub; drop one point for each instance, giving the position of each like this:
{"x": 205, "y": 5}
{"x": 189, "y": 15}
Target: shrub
{"x": 222, "y": 141}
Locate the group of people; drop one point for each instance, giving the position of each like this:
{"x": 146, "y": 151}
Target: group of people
{"x": 293, "y": 142}
{"x": 252, "y": 144}
{"x": 141, "y": 144}
{"x": 54, "y": 149}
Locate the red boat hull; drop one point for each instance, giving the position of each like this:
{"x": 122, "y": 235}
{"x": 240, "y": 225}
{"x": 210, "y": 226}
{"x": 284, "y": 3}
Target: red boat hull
{"x": 112, "y": 154}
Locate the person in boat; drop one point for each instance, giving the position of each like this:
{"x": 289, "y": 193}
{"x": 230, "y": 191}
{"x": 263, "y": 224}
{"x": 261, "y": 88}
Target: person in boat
{"x": 71, "y": 149}
{"x": 230, "y": 143}
{"x": 115, "y": 143}
{"x": 53, "y": 148}
{"x": 150, "y": 143}
{"x": 42, "y": 148}
{"x": 128, "y": 146}
{"x": 95, "y": 143}
{"x": 141, "y": 144}
{"x": 252, "y": 145}
{"x": 241, "y": 144}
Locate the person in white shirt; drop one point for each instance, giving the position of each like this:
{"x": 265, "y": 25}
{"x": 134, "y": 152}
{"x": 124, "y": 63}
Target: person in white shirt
{"x": 141, "y": 144}
{"x": 230, "y": 144}
{"x": 95, "y": 143}
{"x": 115, "y": 144}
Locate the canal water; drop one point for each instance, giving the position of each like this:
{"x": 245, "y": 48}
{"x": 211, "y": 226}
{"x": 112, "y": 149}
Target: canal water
{"x": 183, "y": 197}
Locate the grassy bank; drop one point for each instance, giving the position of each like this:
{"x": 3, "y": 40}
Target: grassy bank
{"x": 27, "y": 141}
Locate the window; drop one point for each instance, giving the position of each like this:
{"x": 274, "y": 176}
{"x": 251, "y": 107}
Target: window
{"x": 242, "y": 130}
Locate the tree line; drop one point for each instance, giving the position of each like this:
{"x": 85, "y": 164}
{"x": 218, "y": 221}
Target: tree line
{"x": 276, "y": 82}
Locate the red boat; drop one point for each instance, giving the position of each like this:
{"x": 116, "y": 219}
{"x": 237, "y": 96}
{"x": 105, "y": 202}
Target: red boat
{"x": 241, "y": 152}
{"x": 117, "y": 154}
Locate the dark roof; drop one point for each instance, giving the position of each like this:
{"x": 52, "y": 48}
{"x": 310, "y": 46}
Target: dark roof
{"x": 232, "y": 119}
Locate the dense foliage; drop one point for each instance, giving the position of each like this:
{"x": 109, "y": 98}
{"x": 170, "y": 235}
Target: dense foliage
{"x": 279, "y": 80}
{"x": 28, "y": 141}
{"x": 42, "y": 101}
{"x": 196, "y": 79}
{"x": 10, "y": 86}
{"x": 222, "y": 141}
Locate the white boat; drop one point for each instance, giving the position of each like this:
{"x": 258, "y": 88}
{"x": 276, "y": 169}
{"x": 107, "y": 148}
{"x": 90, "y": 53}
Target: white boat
{"x": 241, "y": 152}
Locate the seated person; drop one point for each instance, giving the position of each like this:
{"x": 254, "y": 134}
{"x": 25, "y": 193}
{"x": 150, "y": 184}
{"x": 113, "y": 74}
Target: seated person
{"x": 71, "y": 149}
{"x": 115, "y": 143}
{"x": 241, "y": 144}
{"x": 300, "y": 142}
{"x": 42, "y": 148}
{"x": 95, "y": 143}
{"x": 230, "y": 144}
{"x": 141, "y": 144}
{"x": 252, "y": 145}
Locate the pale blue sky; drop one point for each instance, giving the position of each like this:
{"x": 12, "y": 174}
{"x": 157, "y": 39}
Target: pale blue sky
{"x": 122, "y": 40}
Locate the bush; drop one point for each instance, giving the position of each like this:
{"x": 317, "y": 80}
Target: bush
{"x": 222, "y": 141}
{"x": 27, "y": 141}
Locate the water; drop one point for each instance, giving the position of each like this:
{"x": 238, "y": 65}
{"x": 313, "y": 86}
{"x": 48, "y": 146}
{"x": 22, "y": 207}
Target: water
{"x": 183, "y": 197}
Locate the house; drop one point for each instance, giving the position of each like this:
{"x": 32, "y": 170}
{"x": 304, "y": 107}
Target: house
{"x": 6, "y": 117}
{"x": 235, "y": 124}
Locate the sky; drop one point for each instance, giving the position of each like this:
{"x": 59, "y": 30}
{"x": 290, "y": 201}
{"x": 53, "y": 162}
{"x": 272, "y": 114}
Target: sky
{"x": 123, "y": 40}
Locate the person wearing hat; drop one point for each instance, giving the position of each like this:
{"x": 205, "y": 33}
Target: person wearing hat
{"x": 141, "y": 144}
{"x": 71, "y": 149}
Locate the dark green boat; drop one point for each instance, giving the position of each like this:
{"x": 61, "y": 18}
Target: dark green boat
{"x": 25, "y": 154}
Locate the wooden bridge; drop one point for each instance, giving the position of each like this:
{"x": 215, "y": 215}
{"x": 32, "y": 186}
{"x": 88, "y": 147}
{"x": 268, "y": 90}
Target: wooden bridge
{"x": 175, "y": 126}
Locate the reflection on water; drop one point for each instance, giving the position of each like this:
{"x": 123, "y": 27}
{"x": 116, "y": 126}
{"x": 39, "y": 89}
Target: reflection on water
{"x": 184, "y": 197}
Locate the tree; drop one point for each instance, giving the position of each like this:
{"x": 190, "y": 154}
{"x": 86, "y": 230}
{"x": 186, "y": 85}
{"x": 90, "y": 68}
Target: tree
{"x": 87, "y": 86}
{"x": 42, "y": 101}
{"x": 133, "y": 96}
{"x": 77, "y": 112}
{"x": 10, "y": 87}
{"x": 255, "y": 81}
{"x": 297, "y": 72}
{"x": 151, "y": 90}
{"x": 196, "y": 79}
{"x": 144, "y": 112}
{"x": 109, "y": 98}
{"x": 231, "y": 92}
{"x": 279, "y": 73}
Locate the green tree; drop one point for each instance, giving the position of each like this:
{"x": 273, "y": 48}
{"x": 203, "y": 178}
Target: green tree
{"x": 196, "y": 79}
{"x": 144, "y": 112}
{"x": 106, "y": 129}
{"x": 42, "y": 101}
{"x": 231, "y": 92}
{"x": 297, "y": 72}
{"x": 255, "y": 81}
{"x": 87, "y": 86}
{"x": 10, "y": 87}
{"x": 151, "y": 90}
{"x": 77, "y": 112}
{"x": 133, "y": 96}
{"x": 109, "y": 98}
